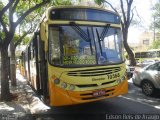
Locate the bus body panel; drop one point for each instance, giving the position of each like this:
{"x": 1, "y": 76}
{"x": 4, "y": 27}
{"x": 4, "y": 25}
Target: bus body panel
{"x": 63, "y": 74}
{"x": 90, "y": 83}
{"x": 61, "y": 97}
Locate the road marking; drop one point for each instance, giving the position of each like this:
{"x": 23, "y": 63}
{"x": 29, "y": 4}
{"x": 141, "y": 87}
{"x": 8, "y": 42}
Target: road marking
{"x": 139, "y": 102}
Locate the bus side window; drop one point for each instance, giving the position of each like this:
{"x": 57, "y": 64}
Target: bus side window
{"x": 54, "y": 46}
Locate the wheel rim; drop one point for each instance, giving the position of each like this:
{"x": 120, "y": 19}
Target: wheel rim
{"x": 147, "y": 88}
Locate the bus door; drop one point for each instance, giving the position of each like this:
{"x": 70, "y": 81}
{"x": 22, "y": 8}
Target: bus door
{"x": 28, "y": 56}
{"x": 42, "y": 67}
{"x": 32, "y": 64}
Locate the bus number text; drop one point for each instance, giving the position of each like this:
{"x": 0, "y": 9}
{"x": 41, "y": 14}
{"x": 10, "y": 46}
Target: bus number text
{"x": 112, "y": 76}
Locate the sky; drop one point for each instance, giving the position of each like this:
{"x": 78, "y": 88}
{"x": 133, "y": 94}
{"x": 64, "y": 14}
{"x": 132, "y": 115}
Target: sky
{"x": 144, "y": 10}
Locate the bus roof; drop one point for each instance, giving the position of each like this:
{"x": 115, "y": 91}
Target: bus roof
{"x": 48, "y": 10}
{"x": 78, "y": 6}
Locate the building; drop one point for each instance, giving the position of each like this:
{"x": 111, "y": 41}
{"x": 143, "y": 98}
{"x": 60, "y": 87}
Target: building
{"x": 144, "y": 42}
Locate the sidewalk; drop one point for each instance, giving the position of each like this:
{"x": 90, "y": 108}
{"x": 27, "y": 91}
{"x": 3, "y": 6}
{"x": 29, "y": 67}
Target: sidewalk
{"x": 27, "y": 103}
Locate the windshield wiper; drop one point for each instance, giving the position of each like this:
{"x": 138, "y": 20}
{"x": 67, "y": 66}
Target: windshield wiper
{"x": 82, "y": 33}
{"x": 90, "y": 41}
{"x": 103, "y": 34}
{"x": 100, "y": 46}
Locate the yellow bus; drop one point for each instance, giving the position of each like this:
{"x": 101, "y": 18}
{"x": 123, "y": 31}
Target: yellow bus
{"x": 152, "y": 54}
{"x": 76, "y": 56}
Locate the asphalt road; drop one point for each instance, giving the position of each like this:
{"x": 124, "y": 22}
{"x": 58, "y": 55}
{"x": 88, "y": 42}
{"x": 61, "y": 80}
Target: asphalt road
{"x": 133, "y": 105}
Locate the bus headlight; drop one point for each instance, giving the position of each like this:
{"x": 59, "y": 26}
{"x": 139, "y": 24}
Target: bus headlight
{"x": 71, "y": 87}
{"x": 123, "y": 78}
{"x": 56, "y": 81}
{"x": 64, "y": 85}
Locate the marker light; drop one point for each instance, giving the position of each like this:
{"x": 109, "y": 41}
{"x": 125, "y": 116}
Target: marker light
{"x": 71, "y": 87}
{"x": 56, "y": 81}
{"x": 123, "y": 78}
{"x": 64, "y": 85}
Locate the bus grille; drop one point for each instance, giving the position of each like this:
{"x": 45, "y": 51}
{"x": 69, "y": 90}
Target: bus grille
{"x": 88, "y": 96}
{"x": 94, "y": 72}
{"x": 94, "y": 85}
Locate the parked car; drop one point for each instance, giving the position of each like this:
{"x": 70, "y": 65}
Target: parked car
{"x": 148, "y": 78}
{"x": 147, "y": 62}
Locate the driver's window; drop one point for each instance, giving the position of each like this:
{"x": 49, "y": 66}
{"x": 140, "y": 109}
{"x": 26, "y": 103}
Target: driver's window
{"x": 54, "y": 45}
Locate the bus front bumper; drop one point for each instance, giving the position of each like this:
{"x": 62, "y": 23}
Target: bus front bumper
{"x": 61, "y": 97}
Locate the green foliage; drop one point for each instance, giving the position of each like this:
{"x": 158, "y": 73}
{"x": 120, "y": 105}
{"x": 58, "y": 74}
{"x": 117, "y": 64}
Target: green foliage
{"x": 156, "y": 16}
{"x": 31, "y": 20}
{"x": 1, "y": 5}
{"x": 61, "y": 2}
{"x": 26, "y": 40}
{"x": 99, "y": 2}
{"x": 25, "y": 5}
{"x": 16, "y": 37}
{"x": 2, "y": 35}
{"x": 155, "y": 45}
{"x": 15, "y": 12}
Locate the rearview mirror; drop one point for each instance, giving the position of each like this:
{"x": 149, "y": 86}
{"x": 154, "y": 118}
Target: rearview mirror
{"x": 43, "y": 32}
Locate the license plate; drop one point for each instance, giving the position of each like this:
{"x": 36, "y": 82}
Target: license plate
{"x": 99, "y": 93}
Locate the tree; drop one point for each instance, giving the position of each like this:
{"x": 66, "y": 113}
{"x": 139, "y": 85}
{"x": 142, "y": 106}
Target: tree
{"x": 155, "y": 44}
{"x": 61, "y": 2}
{"x": 8, "y": 30}
{"x": 156, "y": 15}
{"x": 13, "y": 44}
{"x": 26, "y": 27}
{"x": 126, "y": 11}
{"x": 155, "y": 25}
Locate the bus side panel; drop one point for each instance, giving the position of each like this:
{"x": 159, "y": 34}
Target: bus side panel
{"x": 31, "y": 65}
{"x": 27, "y": 69}
{"x": 36, "y": 61}
{"x": 33, "y": 70}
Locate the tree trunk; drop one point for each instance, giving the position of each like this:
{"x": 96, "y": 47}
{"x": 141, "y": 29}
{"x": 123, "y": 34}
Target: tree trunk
{"x": 5, "y": 92}
{"x": 128, "y": 49}
{"x": 12, "y": 64}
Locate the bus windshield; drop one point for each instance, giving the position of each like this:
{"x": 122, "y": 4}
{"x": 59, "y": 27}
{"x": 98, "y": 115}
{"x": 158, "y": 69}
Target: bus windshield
{"x": 81, "y": 46}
